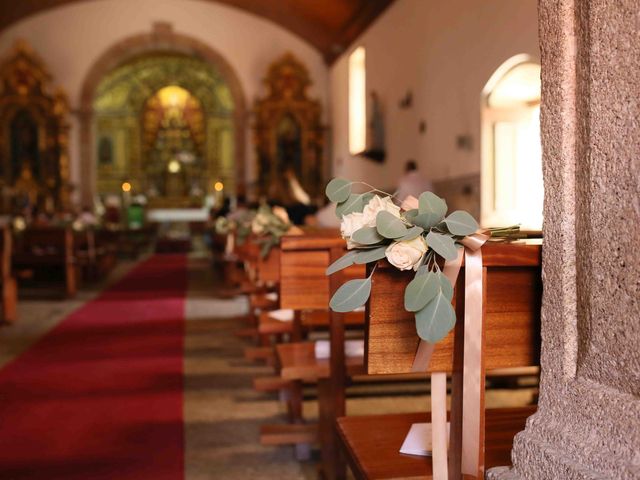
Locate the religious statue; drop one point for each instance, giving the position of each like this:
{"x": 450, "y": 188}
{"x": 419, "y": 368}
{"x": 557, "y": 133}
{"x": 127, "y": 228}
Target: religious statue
{"x": 26, "y": 189}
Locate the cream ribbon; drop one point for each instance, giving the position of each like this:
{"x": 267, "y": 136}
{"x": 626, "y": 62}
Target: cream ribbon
{"x": 472, "y": 372}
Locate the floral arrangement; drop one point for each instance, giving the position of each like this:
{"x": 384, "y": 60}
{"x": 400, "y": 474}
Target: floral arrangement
{"x": 236, "y": 222}
{"x": 410, "y": 239}
{"x": 269, "y": 225}
{"x": 266, "y": 223}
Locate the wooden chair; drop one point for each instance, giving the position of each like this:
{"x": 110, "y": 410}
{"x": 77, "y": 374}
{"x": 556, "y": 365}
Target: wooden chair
{"x": 7, "y": 282}
{"x": 510, "y": 338}
{"x": 40, "y": 252}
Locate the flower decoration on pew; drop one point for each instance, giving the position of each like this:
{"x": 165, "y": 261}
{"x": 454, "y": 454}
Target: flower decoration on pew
{"x": 268, "y": 226}
{"x": 238, "y": 223}
{"x": 413, "y": 239}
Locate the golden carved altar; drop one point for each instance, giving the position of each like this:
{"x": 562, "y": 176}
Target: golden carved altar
{"x": 288, "y": 134}
{"x": 34, "y": 135}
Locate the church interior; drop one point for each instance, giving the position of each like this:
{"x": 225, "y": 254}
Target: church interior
{"x": 338, "y": 239}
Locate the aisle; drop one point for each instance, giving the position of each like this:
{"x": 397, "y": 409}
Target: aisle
{"x": 100, "y": 396}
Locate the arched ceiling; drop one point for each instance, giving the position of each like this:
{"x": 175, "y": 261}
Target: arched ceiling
{"x": 328, "y": 25}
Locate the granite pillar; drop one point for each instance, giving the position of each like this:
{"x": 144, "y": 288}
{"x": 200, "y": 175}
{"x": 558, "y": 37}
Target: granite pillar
{"x": 588, "y": 421}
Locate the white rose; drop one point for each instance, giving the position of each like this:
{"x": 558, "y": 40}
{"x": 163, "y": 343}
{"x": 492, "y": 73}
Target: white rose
{"x": 406, "y": 255}
{"x": 282, "y": 214}
{"x": 378, "y": 204}
{"x": 259, "y": 222}
{"x": 351, "y": 223}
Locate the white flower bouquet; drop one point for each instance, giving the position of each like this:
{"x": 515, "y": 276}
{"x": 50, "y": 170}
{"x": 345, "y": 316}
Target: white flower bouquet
{"x": 410, "y": 237}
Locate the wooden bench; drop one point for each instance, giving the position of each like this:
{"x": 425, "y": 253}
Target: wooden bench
{"x": 46, "y": 255}
{"x": 305, "y": 288}
{"x": 512, "y": 290}
{"x": 7, "y": 282}
{"x": 94, "y": 257}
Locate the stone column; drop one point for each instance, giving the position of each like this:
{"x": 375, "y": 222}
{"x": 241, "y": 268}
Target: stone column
{"x": 588, "y": 422}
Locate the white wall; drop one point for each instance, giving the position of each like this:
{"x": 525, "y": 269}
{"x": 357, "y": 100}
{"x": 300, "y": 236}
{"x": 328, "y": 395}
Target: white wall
{"x": 444, "y": 51}
{"x": 71, "y": 38}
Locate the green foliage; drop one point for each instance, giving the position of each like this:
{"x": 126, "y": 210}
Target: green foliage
{"x": 461, "y": 224}
{"x": 427, "y": 220}
{"x": 353, "y": 294}
{"x": 338, "y": 190}
{"x": 343, "y": 262}
{"x": 432, "y": 204}
{"x": 373, "y": 255}
{"x": 436, "y": 320}
{"x": 420, "y": 291}
{"x": 390, "y": 226}
{"x": 366, "y": 236}
{"x": 443, "y": 245}
{"x": 353, "y": 203}
{"x": 445, "y": 285}
{"x": 413, "y": 232}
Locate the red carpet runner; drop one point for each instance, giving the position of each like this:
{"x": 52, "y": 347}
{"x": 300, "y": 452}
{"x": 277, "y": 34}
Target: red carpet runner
{"x": 100, "y": 396}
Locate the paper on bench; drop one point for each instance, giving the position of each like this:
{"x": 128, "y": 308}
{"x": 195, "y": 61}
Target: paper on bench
{"x": 282, "y": 315}
{"x": 352, "y": 348}
{"x": 272, "y": 296}
{"x": 418, "y": 440}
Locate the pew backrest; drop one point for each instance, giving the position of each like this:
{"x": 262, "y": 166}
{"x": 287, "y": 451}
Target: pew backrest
{"x": 304, "y": 259}
{"x": 512, "y": 306}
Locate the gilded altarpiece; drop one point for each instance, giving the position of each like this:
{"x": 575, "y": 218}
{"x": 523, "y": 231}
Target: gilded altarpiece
{"x": 163, "y": 124}
{"x": 288, "y": 133}
{"x": 34, "y": 136}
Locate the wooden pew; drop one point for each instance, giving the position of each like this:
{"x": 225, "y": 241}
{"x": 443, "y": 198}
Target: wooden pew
{"x": 7, "y": 282}
{"x": 41, "y": 252}
{"x": 512, "y": 290}
{"x": 305, "y": 288}
{"x": 95, "y": 251}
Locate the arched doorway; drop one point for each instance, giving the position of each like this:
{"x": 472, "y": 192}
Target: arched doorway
{"x": 512, "y": 188}
{"x": 164, "y": 124}
{"x": 163, "y": 42}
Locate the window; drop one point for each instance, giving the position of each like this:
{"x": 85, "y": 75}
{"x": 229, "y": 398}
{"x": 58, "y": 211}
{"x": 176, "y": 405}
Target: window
{"x": 357, "y": 102}
{"x": 512, "y": 190}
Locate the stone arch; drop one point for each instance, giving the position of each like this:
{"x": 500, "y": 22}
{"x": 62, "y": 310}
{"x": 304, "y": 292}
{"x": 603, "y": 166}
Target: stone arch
{"x": 162, "y": 38}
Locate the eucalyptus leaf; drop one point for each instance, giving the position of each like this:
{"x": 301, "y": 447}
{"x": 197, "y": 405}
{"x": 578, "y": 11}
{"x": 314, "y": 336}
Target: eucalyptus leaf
{"x": 445, "y": 285}
{"x": 351, "y": 295}
{"x": 338, "y": 190}
{"x": 411, "y": 214}
{"x": 413, "y": 232}
{"x": 461, "y": 223}
{"x": 352, "y": 204}
{"x": 390, "y": 226}
{"x": 368, "y": 256}
{"x": 343, "y": 262}
{"x": 443, "y": 245}
{"x": 366, "y": 197}
{"x": 426, "y": 220}
{"x": 420, "y": 291}
{"x": 367, "y": 236}
{"x": 422, "y": 270}
{"x": 436, "y": 320}
{"x": 431, "y": 203}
